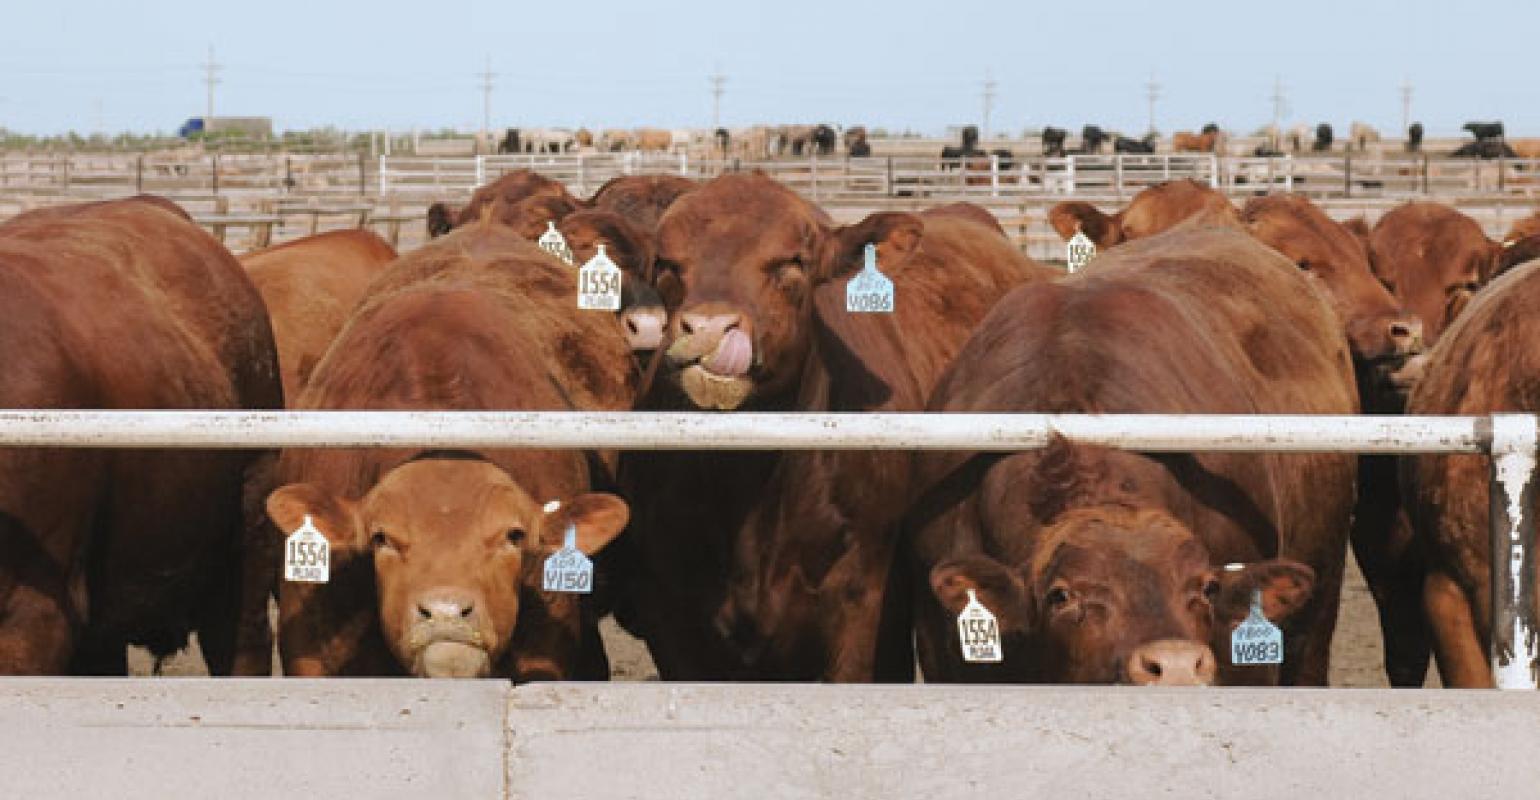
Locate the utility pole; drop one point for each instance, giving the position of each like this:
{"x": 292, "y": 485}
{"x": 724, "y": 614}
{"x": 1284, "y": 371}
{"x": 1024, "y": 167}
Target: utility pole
{"x": 718, "y": 82}
{"x": 1152, "y": 93}
{"x": 210, "y": 79}
{"x": 1406, "y": 104}
{"x": 486, "y": 101}
{"x": 989, "y": 100}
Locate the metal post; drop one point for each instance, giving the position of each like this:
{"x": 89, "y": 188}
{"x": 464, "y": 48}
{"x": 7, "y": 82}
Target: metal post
{"x": 815, "y": 174}
{"x": 214, "y": 175}
{"x": 994, "y": 176}
{"x": 363, "y": 179}
{"x": 1514, "y": 626}
{"x": 890, "y": 176}
{"x": 139, "y": 174}
{"x": 1347, "y": 175}
{"x": 1117, "y": 175}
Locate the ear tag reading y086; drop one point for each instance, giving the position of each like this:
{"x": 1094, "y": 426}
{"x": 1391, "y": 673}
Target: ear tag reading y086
{"x": 1079, "y": 252}
{"x": 1256, "y": 641}
{"x": 978, "y": 632}
{"x": 568, "y": 570}
{"x": 599, "y": 284}
{"x": 307, "y": 554}
{"x": 870, "y": 291}
{"x": 554, "y": 243}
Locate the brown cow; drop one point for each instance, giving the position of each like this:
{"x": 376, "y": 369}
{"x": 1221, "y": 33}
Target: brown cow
{"x": 641, "y": 199}
{"x": 127, "y": 305}
{"x": 775, "y": 565}
{"x": 1103, "y": 566}
{"x": 435, "y": 556}
{"x": 654, "y": 140}
{"x": 507, "y": 191}
{"x": 642, "y": 314}
{"x": 1187, "y": 142}
{"x": 1152, "y": 211}
{"x": 310, "y": 286}
{"x": 1483, "y": 364}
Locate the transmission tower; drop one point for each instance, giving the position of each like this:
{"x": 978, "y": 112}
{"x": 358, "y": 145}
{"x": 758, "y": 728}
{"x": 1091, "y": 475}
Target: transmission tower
{"x": 718, "y": 82}
{"x": 1406, "y": 104}
{"x": 989, "y": 100}
{"x": 1280, "y": 102}
{"x": 1152, "y": 93}
{"x": 211, "y": 71}
{"x": 486, "y": 102}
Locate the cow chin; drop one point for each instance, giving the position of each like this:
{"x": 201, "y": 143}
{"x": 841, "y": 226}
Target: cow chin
{"x": 452, "y": 660}
{"x": 714, "y": 392}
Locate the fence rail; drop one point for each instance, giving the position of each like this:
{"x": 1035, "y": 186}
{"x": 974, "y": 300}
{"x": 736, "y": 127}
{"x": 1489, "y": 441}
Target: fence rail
{"x": 1513, "y": 441}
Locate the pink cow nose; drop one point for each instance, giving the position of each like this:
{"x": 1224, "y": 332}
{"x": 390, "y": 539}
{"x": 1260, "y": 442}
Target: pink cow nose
{"x": 644, "y": 327}
{"x": 445, "y": 606}
{"x": 1171, "y": 662}
{"x": 693, "y": 324}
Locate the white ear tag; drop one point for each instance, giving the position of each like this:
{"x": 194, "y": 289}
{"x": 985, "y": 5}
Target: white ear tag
{"x": 554, "y": 243}
{"x": 568, "y": 570}
{"x": 307, "y": 555}
{"x": 599, "y": 284}
{"x": 1256, "y": 640}
{"x": 1079, "y": 252}
{"x": 979, "y": 633}
{"x": 870, "y": 291}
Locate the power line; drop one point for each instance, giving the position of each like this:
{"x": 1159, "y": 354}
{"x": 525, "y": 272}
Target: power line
{"x": 1152, "y": 93}
{"x": 211, "y": 70}
{"x": 486, "y": 100}
{"x": 718, "y": 82}
{"x": 989, "y": 99}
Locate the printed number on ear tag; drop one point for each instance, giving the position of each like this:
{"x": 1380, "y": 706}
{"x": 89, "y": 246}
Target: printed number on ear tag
{"x": 307, "y": 555}
{"x": 599, "y": 284}
{"x": 554, "y": 243}
{"x": 568, "y": 570}
{"x": 1256, "y": 640}
{"x": 979, "y": 633}
{"x": 1079, "y": 252}
{"x": 870, "y": 291}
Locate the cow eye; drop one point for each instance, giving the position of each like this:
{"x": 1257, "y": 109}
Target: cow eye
{"x": 378, "y": 540}
{"x": 515, "y": 536}
{"x": 1211, "y": 589}
{"x": 1304, "y": 264}
{"x": 1057, "y": 596}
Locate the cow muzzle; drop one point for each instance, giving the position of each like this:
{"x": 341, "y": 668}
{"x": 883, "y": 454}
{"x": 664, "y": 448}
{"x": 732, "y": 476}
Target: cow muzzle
{"x": 714, "y": 366}
{"x": 445, "y": 641}
{"x": 1171, "y": 662}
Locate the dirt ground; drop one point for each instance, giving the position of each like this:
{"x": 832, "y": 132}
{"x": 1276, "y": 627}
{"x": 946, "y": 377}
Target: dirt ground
{"x": 1355, "y": 650}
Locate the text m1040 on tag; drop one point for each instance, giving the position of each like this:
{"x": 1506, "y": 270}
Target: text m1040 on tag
{"x": 870, "y": 291}
{"x": 1079, "y": 251}
{"x": 568, "y": 570}
{"x": 1256, "y": 640}
{"x": 307, "y": 555}
{"x": 979, "y": 633}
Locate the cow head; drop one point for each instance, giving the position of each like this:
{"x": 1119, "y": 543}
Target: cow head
{"x": 738, "y": 260}
{"x": 1118, "y": 595}
{"x": 1381, "y": 334}
{"x": 631, "y": 248}
{"x": 455, "y": 544}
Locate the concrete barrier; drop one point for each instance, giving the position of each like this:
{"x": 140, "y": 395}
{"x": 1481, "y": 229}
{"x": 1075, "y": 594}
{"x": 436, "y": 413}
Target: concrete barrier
{"x": 292, "y": 738}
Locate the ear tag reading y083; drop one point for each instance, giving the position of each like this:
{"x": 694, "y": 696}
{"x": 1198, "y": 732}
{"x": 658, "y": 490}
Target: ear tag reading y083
{"x": 1079, "y": 252}
{"x": 978, "y": 632}
{"x": 1256, "y": 641}
{"x": 599, "y": 284}
{"x": 554, "y": 243}
{"x": 307, "y": 554}
{"x": 870, "y": 291}
{"x": 568, "y": 570}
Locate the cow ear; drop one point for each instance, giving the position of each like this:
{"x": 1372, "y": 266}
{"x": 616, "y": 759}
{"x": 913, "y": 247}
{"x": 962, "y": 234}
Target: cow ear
{"x": 995, "y": 585}
{"x": 1286, "y": 586}
{"x": 1513, "y": 253}
{"x": 896, "y": 235}
{"x": 598, "y": 517}
{"x": 441, "y": 219}
{"x": 1067, "y": 218}
{"x": 335, "y": 517}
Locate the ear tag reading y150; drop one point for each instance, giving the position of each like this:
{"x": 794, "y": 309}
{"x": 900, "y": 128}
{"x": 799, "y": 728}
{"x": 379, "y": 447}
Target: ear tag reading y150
{"x": 870, "y": 291}
{"x": 568, "y": 570}
{"x": 979, "y": 633}
{"x": 307, "y": 554}
{"x": 1079, "y": 252}
{"x": 554, "y": 243}
{"x": 599, "y": 284}
{"x": 1256, "y": 641}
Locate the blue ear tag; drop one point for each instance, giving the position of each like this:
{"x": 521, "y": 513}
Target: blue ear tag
{"x": 870, "y": 291}
{"x": 568, "y": 570}
{"x": 1256, "y": 641}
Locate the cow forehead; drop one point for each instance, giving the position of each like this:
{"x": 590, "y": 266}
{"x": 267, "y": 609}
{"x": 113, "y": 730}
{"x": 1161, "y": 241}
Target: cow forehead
{"x": 442, "y": 497}
{"x": 1112, "y": 543}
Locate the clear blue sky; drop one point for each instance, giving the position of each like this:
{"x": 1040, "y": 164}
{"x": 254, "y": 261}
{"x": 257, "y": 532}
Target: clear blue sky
{"x": 92, "y": 65}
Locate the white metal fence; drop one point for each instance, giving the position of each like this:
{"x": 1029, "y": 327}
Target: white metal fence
{"x": 1511, "y": 440}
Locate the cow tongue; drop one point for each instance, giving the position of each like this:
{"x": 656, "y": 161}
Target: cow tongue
{"x": 732, "y": 357}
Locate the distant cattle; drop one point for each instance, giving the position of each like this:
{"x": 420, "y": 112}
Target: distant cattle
{"x": 1482, "y": 365}
{"x": 128, "y": 305}
{"x": 775, "y": 566}
{"x": 1206, "y": 141}
{"x": 1053, "y": 141}
{"x": 1323, "y": 139}
{"x": 1124, "y": 144}
{"x": 310, "y": 286}
{"x": 1362, "y": 134}
{"x": 1414, "y": 137}
{"x": 1106, "y": 566}
{"x": 437, "y": 557}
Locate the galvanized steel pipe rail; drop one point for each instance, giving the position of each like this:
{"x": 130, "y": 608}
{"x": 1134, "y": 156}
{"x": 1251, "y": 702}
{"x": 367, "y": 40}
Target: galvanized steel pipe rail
{"x": 1511, "y": 440}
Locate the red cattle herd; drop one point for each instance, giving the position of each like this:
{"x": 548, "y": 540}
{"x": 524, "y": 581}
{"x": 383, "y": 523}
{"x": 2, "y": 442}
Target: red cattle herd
{"x": 1068, "y": 564}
